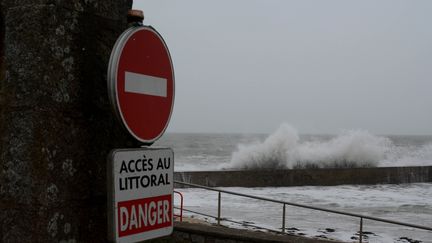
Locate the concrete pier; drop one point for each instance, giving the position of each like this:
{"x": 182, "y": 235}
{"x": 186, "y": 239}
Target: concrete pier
{"x": 307, "y": 177}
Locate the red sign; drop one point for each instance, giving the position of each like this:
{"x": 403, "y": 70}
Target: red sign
{"x": 141, "y": 80}
{"x": 142, "y": 215}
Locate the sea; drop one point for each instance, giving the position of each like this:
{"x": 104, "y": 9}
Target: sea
{"x": 287, "y": 149}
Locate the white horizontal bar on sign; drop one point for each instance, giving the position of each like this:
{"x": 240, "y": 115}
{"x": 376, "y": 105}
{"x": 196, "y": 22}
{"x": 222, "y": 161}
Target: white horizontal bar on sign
{"x": 145, "y": 84}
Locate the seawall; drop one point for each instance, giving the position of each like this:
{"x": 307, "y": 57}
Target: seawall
{"x": 203, "y": 233}
{"x": 185, "y": 232}
{"x": 307, "y": 177}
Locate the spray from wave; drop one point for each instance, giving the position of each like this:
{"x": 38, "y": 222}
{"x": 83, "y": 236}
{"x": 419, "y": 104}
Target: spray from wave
{"x": 409, "y": 156}
{"x": 283, "y": 150}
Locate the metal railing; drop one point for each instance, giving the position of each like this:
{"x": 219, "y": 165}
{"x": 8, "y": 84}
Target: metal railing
{"x": 284, "y": 203}
{"x": 180, "y": 214}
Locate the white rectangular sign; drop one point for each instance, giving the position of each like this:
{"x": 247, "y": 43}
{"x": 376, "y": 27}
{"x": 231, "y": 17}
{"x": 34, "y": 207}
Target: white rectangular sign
{"x": 140, "y": 194}
{"x": 145, "y": 84}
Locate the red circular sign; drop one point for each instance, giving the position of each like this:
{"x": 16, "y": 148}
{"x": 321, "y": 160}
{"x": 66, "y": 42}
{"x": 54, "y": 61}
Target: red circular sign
{"x": 141, "y": 80}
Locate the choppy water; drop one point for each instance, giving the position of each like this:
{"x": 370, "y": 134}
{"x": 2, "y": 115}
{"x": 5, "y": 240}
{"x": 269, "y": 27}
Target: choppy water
{"x": 410, "y": 203}
{"x": 286, "y": 149}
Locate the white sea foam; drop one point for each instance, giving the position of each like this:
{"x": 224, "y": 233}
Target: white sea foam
{"x": 409, "y": 156}
{"x": 283, "y": 149}
{"x": 274, "y": 152}
{"x": 406, "y": 203}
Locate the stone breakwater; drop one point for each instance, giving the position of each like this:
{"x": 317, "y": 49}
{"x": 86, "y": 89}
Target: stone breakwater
{"x": 307, "y": 177}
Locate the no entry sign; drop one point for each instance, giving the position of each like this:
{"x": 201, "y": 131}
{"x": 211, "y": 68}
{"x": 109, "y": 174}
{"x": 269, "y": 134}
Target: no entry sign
{"x": 141, "y": 83}
{"x": 140, "y": 182}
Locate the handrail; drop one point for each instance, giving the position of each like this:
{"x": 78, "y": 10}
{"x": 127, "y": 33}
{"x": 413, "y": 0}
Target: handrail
{"x": 360, "y": 216}
{"x": 181, "y": 206}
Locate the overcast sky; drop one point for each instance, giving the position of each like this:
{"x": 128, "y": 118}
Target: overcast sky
{"x": 321, "y": 66}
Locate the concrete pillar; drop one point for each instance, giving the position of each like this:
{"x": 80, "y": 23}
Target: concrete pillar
{"x": 56, "y": 125}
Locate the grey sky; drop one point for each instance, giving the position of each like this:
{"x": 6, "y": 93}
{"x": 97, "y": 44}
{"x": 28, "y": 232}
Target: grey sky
{"x": 321, "y": 66}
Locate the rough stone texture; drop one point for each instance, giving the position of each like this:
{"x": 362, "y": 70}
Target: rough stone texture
{"x": 2, "y": 30}
{"x": 307, "y": 177}
{"x": 56, "y": 125}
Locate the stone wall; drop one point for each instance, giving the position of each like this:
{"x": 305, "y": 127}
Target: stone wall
{"x": 198, "y": 233}
{"x": 2, "y": 33}
{"x": 56, "y": 126}
{"x": 206, "y": 233}
{"x": 307, "y": 177}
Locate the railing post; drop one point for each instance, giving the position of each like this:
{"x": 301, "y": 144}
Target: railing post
{"x": 219, "y": 208}
{"x": 283, "y": 218}
{"x": 361, "y": 231}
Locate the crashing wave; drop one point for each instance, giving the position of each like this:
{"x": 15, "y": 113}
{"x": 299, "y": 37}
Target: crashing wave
{"x": 283, "y": 150}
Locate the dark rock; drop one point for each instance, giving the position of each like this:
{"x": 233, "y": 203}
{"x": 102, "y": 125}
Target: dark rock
{"x": 409, "y": 240}
{"x": 330, "y": 230}
{"x": 321, "y": 236}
